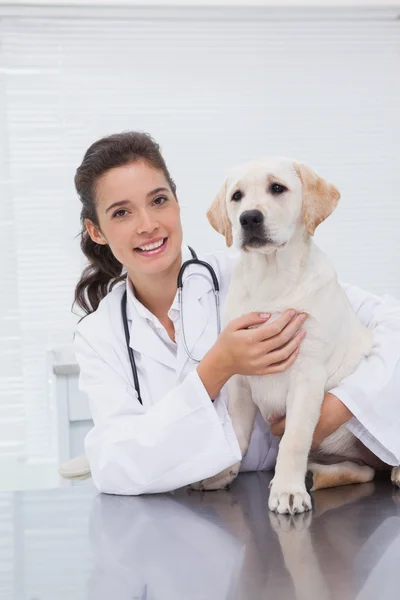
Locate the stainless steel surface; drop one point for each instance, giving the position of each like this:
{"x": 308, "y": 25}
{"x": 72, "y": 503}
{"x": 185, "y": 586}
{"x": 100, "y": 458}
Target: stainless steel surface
{"x": 72, "y": 543}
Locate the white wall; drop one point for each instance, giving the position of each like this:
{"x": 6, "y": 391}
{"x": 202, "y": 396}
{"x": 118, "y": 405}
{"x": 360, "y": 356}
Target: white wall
{"x": 214, "y": 92}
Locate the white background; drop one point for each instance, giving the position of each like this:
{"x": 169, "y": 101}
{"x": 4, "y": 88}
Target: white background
{"x": 214, "y": 88}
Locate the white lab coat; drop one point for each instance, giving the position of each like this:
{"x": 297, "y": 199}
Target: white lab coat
{"x": 179, "y": 436}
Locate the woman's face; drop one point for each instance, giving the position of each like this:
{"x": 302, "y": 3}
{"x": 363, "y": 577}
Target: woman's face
{"x": 139, "y": 219}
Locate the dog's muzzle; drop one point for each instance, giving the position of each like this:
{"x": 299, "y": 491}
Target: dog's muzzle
{"x": 254, "y": 234}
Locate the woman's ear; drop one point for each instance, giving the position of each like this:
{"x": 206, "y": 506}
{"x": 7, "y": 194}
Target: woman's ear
{"x": 95, "y": 232}
{"x": 218, "y": 215}
{"x": 320, "y": 198}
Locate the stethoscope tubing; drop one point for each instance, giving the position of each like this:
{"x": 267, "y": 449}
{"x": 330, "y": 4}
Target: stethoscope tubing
{"x": 193, "y": 261}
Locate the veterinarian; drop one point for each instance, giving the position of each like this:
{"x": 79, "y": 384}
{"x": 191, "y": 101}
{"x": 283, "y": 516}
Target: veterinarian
{"x": 160, "y": 409}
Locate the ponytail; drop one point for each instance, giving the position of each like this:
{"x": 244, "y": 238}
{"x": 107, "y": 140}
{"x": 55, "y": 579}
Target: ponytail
{"x": 99, "y": 277}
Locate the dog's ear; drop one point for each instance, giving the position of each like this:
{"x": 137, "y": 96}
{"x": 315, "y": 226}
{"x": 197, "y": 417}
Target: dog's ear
{"x": 218, "y": 215}
{"x": 320, "y": 198}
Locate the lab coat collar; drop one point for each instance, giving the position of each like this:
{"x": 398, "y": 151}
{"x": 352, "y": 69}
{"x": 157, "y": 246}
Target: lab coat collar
{"x": 144, "y": 339}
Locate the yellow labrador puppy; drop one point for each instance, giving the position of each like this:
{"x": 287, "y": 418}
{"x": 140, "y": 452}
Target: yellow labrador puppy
{"x": 269, "y": 209}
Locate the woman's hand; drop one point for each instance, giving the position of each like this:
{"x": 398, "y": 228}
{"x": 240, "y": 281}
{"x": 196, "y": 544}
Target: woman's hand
{"x": 250, "y": 345}
{"x": 333, "y": 414}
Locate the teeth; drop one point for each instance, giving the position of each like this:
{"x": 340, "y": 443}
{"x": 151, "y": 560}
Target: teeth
{"x": 152, "y": 246}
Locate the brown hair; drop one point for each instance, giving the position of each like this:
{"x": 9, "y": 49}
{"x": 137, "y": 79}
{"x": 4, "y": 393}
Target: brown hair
{"x": 104, "y": 270}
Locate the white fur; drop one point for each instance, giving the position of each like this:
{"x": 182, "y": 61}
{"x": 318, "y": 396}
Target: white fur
{"x": 272, "y": 279}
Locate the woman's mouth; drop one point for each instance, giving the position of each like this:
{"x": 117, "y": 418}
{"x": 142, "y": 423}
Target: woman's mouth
{"x": 152, "y": 248}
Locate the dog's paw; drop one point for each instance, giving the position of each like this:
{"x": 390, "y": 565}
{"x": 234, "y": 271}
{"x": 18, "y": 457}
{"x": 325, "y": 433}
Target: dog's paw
{"x": 396, "y": 476}
{"x": 288, "y": 498}
{"x": 218, "y": 482}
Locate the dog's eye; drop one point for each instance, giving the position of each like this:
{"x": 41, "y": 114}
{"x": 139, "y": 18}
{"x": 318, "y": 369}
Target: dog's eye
{"x": 237, "y": 196}
{"x": 277, "y": 188}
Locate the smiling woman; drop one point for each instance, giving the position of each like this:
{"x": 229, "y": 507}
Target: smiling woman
{"x": 130, "y": 216}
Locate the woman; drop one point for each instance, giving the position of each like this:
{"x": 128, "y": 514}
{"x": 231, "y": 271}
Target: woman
{"x": 132, "y": 237}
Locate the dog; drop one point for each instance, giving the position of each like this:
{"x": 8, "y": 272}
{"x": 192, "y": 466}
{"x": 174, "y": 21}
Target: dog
{"x": 269, "y": 209}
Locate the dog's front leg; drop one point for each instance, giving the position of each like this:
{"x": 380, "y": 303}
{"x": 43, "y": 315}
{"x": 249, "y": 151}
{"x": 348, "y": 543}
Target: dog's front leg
{"x": 306, "y": 392}
{"x": 242, "y": 412}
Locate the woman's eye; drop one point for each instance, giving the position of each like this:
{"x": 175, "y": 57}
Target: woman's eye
{"x": 237, "y": 196}
{"x": 160, "y": 200}
{"x": 118, "y": 213}
{"x": 277, "y": 188}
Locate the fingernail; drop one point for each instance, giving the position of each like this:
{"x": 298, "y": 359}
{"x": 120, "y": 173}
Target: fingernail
{"x": 292, "y": 313}
{"x": 264, "y": 315}
{"x": 303, "y": 316}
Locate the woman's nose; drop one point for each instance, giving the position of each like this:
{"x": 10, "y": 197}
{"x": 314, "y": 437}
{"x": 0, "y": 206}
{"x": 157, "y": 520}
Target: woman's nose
{"x": 146, "y": 223}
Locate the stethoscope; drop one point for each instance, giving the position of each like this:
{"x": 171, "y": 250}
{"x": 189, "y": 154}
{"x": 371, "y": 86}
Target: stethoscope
{"x": 193, "y": 261}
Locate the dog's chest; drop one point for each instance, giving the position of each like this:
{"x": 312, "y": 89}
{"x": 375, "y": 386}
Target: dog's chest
{"x": 269, "y": 393}
{"x": 242, "y": 301}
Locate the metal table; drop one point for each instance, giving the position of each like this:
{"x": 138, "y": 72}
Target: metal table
{"x": 73, "y": 543}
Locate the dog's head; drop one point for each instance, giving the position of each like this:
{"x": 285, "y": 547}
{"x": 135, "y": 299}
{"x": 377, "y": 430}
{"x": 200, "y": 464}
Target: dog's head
{"x": 262, "y": 203}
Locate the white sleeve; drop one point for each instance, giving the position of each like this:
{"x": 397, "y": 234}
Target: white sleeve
{"x": 372, "y": 392}
{"x": 181, "y": 439}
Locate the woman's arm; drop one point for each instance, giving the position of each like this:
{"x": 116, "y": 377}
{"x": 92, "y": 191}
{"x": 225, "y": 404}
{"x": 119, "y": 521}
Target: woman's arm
{"x": 334, "y": 414}
{"x": 183, "y": 437}
{"x": 131, "y": 450}
{"x": 372, "y": 392}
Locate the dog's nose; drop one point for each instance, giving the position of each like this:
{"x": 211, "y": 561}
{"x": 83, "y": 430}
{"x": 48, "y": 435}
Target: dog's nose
{"x": 251, "y": 219}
